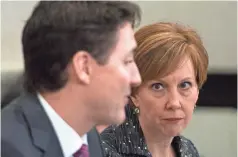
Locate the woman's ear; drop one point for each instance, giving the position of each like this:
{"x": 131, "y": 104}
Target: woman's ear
{"x": 134, "y": 100}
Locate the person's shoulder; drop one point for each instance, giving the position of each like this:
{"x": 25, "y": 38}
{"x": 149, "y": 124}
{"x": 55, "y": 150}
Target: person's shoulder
{"x": 14, "y": 121}
{"x": 186, "y": 146}
{"x": 11, "y": 113}
{"x": 108, "y": 136}
{"x": 109, "y": 140}
{"x": 187, "y": 142}
{"x": 12, "y": 117}
{"x": 14, "y": 132}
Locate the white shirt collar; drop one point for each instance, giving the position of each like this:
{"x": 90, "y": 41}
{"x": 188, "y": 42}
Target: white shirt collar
{"x": 69, "y": 140}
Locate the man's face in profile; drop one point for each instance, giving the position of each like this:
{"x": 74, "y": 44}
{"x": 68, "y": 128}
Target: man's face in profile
{"x": 113, "y": 81}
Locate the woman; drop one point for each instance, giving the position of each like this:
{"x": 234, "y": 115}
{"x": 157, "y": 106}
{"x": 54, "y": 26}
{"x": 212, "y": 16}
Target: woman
{"x": 173, "y": 65}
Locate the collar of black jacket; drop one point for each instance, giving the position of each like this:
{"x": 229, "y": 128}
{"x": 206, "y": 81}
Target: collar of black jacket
{"x": 131, "y": 139}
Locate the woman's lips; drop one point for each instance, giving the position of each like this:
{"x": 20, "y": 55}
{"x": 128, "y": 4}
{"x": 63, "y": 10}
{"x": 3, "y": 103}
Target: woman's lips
{"x": 173, "y": 119}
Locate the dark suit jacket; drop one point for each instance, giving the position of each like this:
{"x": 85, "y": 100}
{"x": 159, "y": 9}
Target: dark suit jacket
{"x": 27, "y": 131}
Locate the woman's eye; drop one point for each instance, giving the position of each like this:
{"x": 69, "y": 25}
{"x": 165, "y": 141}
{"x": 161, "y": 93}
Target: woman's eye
{"x": 185, "y": 85}
{"x": 157, "y": 86}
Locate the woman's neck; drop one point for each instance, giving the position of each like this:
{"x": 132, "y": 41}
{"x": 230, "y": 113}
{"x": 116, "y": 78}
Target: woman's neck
{"x": 160, "y": 149}
{"x": 158, "y": 144}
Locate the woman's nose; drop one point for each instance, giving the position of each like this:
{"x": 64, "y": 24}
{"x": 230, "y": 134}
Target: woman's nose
{"x": 173, "y": 100}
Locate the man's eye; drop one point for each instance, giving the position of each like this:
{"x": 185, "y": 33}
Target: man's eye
{"x": 185, "y": 85}
{"x": 128, "y": 62}
{"x": 157, "y": 86}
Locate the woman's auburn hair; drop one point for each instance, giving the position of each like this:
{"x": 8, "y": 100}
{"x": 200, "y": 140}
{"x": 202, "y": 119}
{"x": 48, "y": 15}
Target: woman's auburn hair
{"x": 163, "y": 46}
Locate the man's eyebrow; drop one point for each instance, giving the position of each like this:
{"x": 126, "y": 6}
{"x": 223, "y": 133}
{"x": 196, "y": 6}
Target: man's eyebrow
{"x": 133, "y": 51}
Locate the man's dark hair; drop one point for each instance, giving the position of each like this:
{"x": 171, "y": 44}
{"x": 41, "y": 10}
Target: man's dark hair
{"x": 56, "y": 30}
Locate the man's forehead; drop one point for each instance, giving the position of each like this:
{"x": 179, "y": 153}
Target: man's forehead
{"x": 126, "y": 39}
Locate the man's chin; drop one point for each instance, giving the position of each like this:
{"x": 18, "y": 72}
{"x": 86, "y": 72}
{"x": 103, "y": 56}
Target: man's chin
{"x": 101, "y": 128}
{"x": 120, "y": 119}
{"x": 115, "y": 119}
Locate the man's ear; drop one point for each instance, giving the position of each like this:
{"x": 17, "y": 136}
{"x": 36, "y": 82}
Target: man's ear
{"x": 134, "y": 100}
{"x": 82, "y": 66}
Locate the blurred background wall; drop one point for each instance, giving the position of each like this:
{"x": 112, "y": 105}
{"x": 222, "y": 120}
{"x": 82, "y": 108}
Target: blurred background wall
{"x": 213, "y": 129}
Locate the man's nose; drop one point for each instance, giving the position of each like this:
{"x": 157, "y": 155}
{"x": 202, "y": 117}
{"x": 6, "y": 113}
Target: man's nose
{"x": 135, "y": 77}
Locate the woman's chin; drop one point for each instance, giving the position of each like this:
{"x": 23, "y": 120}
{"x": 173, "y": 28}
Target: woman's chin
{"x": 171, "y": 132}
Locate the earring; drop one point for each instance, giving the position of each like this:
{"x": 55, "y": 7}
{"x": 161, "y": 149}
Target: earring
{"x": 195, "y": 106}
{"x": 136, "y": 110}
